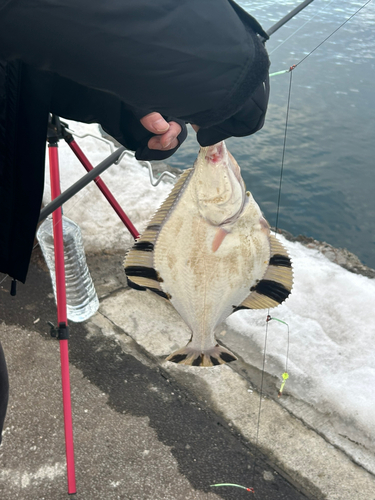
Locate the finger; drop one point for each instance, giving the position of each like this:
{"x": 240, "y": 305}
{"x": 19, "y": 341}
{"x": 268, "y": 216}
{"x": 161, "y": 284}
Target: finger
{"x": 195, "y": 127}
{"x": 168, "y": 140}
{"x": 154, "y": 143}
{"x": 155, "y": 123}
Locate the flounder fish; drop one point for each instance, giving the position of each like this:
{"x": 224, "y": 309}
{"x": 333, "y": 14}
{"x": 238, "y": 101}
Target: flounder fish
{"x": 208, "y": 251}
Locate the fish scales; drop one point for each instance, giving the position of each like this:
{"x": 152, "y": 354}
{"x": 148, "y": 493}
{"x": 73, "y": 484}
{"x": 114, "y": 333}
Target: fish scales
{"x": 210, "y": 253}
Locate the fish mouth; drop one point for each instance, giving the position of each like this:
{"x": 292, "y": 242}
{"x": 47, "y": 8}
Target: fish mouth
{"x": 216, "y": 152}
{"x": 221, "y": 190}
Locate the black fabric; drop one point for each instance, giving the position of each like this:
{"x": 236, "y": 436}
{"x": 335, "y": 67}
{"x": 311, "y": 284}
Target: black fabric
{"x": 112, "y": 62}
{"x": 256, "y": 71}
{"x": 196, "y": 60}
{"x": 245, "y": 122}
{"x": 248, "y": 20}
{"x": 4, "y": 389}
{"x": 24, "y": 104}
{"x": 77, "y": 102}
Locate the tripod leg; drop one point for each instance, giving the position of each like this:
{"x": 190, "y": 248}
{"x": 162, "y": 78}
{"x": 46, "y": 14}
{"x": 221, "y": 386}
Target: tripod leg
{"x": 104, "y": 189}
{"x": 62, "y": 315}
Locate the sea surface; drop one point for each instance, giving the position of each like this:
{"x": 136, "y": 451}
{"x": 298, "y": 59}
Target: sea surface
{"x": 328, "y": 184}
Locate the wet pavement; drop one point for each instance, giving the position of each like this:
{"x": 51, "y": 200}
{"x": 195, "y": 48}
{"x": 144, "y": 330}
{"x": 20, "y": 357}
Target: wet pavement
{"x": 139, "y": 432}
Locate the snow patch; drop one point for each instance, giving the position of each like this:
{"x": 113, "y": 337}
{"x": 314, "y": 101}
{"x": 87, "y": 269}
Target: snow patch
{"x": 332, "y": 334}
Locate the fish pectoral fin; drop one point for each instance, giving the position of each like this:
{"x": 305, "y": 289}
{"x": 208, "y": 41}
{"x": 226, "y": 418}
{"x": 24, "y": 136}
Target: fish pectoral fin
{"x": 219, "y": 238}
{"x": 217, "y": 355}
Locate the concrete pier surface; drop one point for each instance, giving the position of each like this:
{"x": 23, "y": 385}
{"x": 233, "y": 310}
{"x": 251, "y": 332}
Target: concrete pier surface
{"x": 145, "y": 428}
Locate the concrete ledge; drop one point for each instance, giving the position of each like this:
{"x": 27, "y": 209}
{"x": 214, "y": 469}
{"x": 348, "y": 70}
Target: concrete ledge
{"x": 324, "y": 471}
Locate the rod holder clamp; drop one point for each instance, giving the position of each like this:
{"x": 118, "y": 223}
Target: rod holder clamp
{"x": 61, "y": 332}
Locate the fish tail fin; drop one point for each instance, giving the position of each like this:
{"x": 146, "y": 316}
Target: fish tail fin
{"x": 217, "y": 355}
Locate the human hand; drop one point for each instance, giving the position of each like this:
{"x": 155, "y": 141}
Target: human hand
{"x": 160, "y": 137}
{"x": 167, "y": 133}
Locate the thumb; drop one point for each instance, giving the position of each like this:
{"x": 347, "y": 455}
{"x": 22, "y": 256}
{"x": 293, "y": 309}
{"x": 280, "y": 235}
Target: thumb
{"x": 155, "y": 123}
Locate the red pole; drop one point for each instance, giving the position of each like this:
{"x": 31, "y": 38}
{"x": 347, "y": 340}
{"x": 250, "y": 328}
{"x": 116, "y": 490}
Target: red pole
{"x": 104, "y": 189}
{"x": 62, "y": 315}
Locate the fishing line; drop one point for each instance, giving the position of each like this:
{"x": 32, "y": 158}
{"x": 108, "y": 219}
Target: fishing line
{"x": 321, "y": 43}
{"x": 335, "y": 31}
{"x": 303, "y": 25}
{"x": 285, "y": 375}
{"x": 252, "y": 490}
{"x": 260, "y": 402}
{"x": 284, "y": 148}
{"x": 268, "y": 314}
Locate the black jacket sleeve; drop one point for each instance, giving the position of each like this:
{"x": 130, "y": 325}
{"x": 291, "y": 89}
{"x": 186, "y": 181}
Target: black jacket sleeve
{"x": 77, "y": 102}
{"x": 196, "y": 60}
{"x": 112, "y": 61}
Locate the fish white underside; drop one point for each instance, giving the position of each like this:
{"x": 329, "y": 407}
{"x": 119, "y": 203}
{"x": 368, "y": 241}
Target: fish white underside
{"x": 205, "y": 286}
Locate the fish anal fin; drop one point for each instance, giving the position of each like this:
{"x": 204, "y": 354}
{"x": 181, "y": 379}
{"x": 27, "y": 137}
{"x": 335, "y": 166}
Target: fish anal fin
{"x": 257, "y": 301}
{"x": 277, "y": 247}
{"x": 217, "y": 355}
{"x": 276, "y": 284}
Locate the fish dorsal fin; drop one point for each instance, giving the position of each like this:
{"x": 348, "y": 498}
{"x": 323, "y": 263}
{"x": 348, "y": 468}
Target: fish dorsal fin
{"x": 276, "y": 284}
{"x": 139, "y": 261}
{"x": 164, "y": 209}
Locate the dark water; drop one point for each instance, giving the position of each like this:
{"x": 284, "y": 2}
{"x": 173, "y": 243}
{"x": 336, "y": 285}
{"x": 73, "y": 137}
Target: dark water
{"x": 328, "y": 189}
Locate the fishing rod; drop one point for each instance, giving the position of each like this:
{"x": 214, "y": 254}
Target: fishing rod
{"x": 288, "y": 17}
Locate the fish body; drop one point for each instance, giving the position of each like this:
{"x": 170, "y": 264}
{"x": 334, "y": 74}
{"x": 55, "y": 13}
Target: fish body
{"x": 208, "y": 250}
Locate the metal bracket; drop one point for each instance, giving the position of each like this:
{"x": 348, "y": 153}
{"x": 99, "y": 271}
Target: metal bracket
{"x": 61, "y": 332}
{"x": 154, "y": 180}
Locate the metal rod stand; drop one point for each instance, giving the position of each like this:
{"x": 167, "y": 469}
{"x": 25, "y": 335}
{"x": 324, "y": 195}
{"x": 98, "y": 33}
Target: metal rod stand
{"x": 57, "y": 131}
{"x": 62, "y": 315}
{"x": 100, "y": 183}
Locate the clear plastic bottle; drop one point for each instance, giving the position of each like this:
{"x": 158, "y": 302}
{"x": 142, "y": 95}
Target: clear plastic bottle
{"x": 81, "y": 298}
